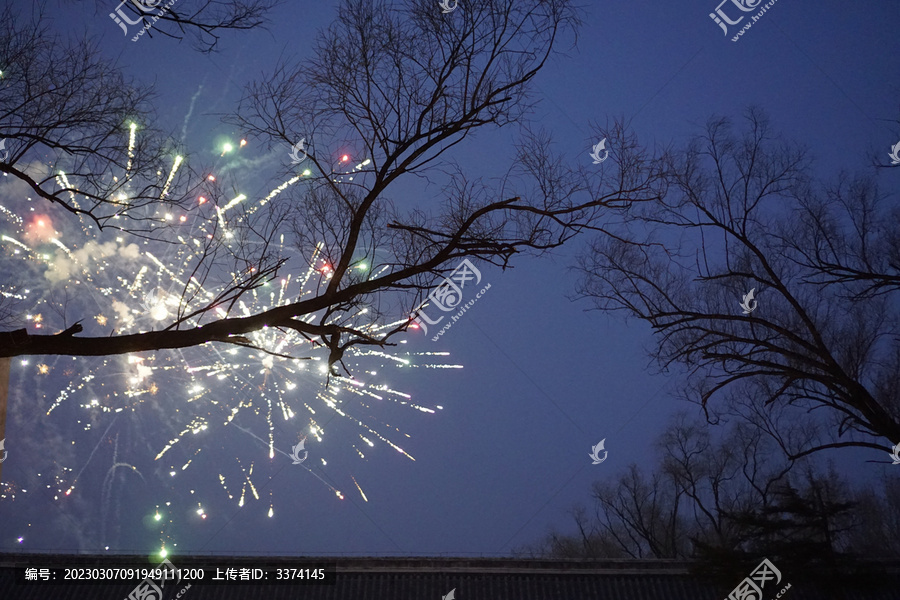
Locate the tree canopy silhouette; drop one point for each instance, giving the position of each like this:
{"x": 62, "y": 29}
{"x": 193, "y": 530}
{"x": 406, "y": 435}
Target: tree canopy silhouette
{"x": 405, "y": 85}
{"x": 745, "y": 213}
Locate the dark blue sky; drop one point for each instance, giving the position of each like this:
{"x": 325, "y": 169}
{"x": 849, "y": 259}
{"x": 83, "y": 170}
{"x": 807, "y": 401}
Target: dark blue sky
{"x": 543, "y": 379}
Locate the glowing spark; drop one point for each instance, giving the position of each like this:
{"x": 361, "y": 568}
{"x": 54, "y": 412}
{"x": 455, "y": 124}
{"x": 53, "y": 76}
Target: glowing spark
{"x": 132, "y": 128}
{"x": 221, "y": 212}
{"x": 6, "y": 238}
{"x": 361, "y": 493}
{"x": 274, "y": 193}
{"x": 63, "y": 182}
{"x": 175, "y": 166}
{"x": 234, "y": 202}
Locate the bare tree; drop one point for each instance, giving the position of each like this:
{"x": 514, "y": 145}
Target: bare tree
{"x": 722, "y": 499}
{"x": 820, "y": 329}
{"x": 69, "y": 117}
{"x": 202, "y": 21}
{"x": 67, "y": 121}
{"x": 689, "y": 500}
{"x": 878, "y": 532}
{"x": 403, "y": 85}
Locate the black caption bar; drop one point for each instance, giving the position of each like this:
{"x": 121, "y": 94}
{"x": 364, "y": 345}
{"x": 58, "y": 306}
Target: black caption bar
{"x": 216, "y": 574}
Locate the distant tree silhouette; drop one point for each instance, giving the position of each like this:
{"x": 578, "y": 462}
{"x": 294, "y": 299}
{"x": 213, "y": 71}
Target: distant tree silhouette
{"x": 727, "y": 502}
{"x": 805, "y": 524}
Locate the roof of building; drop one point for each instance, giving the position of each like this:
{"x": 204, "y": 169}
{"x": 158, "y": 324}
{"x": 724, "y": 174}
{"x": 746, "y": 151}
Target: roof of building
{"x": 435, "y": 578}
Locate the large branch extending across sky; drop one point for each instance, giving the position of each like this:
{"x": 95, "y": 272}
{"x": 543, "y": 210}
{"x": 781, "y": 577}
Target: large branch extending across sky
{"x": 202, "y": 20}
{"x": 232, "y": 329}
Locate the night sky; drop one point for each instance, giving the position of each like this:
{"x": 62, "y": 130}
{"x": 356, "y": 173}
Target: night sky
{"x": 544, "y": 378}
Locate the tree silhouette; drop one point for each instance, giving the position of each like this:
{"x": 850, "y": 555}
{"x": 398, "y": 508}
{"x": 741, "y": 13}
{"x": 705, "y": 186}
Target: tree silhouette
{"x": 726, "y": 500}
{"x": 405, "y": 85}
{"x": 745, "y": 213}
{"x": 201, "y": 21}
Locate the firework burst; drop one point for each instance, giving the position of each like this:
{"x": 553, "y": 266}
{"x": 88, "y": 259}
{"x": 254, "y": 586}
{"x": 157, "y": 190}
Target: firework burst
{"x": 276, "y": 389}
